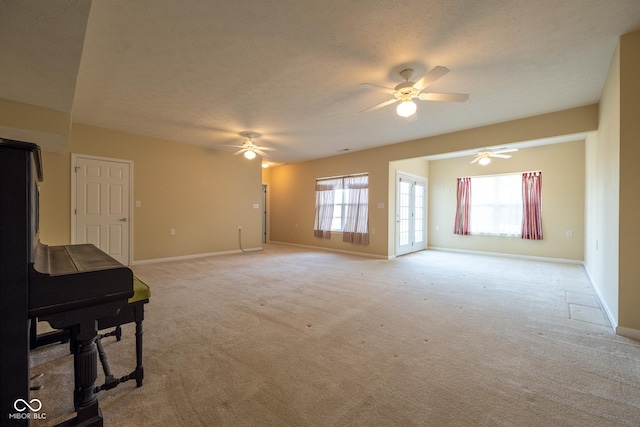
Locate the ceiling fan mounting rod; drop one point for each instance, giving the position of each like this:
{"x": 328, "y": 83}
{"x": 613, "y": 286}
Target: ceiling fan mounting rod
{"x": 406, "y": 74}
{"x": 250, "y": 134}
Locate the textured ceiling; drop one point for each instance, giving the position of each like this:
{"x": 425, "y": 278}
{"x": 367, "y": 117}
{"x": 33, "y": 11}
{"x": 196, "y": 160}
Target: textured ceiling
{"x": 40, "y": 49}
{"x": 200, "y": 72}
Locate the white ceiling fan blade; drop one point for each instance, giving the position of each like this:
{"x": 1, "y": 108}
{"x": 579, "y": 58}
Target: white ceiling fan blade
{"x": 431, "y": 77}
{"x": 265, "y": 148}
{"x": 436, "y": 96}
{"x": 262, "y": 153}
{"x": 475, "y": 160}
{"x": 383, "y": 104}
{"x": 240, "y": 151}
{"x": 376, "y": 87}
{"x": 233, "y": 146}
{"x": 500, "y": 156}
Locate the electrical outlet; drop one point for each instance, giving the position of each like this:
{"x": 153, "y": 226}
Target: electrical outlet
{"x": 173, "y": 231}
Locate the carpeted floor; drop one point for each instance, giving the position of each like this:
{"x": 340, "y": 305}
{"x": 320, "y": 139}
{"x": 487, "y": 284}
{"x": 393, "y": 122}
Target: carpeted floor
{"x": 295, "y": 337}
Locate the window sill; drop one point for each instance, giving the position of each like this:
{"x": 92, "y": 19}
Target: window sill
{"x": 517, "y": 236}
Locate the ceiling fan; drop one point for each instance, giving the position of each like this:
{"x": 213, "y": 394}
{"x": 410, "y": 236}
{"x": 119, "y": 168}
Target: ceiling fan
{"x": 484, "y": 157}
{"x": 408, "y": 90}
{"x": 249, "y": 148}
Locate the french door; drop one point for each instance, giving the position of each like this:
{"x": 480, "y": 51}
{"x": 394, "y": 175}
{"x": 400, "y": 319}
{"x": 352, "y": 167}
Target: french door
{"x": 411, "y": 209}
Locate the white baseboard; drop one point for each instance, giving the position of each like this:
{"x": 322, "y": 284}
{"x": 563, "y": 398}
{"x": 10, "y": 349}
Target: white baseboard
{"x": 619, "y": 330}
{"x": 500, "y": 254}
{"x": 364, "y": 254}
{"x": 185, "y": 257}
{"x": 612, "y": 320}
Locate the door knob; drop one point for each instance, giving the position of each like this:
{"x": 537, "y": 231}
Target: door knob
{"x": 123, "y": 219}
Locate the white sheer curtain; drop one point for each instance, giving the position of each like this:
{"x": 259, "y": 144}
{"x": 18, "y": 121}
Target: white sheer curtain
{"x": 496, "y": 205}
{"x": 356, "y": 227}
{"x": 325, "y": 192}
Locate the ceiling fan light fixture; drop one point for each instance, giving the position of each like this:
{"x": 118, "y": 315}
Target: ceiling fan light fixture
{"x": 249, "y": 154}
{"x": 484, "y": 161}
{"x": 406, "y": 108}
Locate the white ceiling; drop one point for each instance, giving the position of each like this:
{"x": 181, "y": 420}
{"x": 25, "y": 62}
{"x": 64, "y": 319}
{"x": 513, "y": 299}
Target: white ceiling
{"x": 201, "y": 71}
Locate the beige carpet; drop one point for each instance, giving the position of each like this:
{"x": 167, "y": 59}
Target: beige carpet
{"x": 295, "y": 337}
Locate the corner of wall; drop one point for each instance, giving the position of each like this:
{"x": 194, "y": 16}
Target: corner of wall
{"x": 603, "y": 303}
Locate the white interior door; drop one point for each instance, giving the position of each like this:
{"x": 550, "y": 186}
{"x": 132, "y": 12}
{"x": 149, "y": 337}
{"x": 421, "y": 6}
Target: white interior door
{"x": 101, "y": 208}
{"x": 411, "y": 208}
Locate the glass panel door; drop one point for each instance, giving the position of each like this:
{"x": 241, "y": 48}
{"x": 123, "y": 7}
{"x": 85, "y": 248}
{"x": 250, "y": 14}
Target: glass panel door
{"x": 403, "y": 222}
{"x": 419, "y": 218}
{"x": 410, "y": 214}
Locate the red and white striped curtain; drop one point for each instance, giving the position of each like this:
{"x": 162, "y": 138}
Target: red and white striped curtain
{"x": 461, "y": 225}
{"x": 532, "y": 205}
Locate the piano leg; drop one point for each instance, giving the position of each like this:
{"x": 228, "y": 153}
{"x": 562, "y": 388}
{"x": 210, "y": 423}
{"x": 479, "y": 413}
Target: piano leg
{"x": 83, "y": 326}
{"x": 139, "y": 372}
{"x": 86, "y": 373}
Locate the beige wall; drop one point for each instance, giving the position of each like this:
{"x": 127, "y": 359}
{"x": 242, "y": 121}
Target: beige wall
{"x": 612, "y": 158}
{"x": 203, "y": 194}
{"x": 602, "y": 180}
{"x": 562, "y": 167}
{"x": 55, "y": 199}
{"x": 292, "y": 197}
{"x": 22, "y": 122}
{"x": 567, "y": 122}
{"x": 292, "y": 186}
{"x": 266, "y": 176}
{"x": 629, "y": 234}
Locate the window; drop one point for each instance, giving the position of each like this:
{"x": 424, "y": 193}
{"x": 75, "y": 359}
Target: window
{"x": 496, "y": 205}
{"x": 500, "y": 205}
{"x": 339, "y": 210}
{"x": 342, "y": 204}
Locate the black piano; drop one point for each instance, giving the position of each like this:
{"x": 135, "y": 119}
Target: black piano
{"x": 70, "y": 286}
